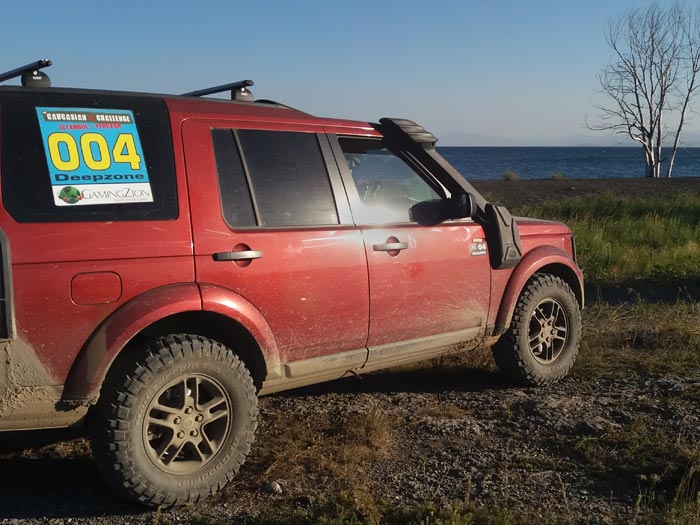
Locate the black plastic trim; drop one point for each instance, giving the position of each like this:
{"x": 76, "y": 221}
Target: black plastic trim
{"x": 501, "y": 230}
{"x": 246, "y": 172}
{"x": 342, "y": 205}
{"x": 406, "y": 135}
{"x": 8, "y": 304}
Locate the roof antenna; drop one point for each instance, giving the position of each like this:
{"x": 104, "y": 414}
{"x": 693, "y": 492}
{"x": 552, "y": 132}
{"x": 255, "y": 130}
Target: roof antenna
{"x": 31, "y": 76}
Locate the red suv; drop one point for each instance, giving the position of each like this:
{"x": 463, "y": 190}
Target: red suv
{"x": 166, "y": 259}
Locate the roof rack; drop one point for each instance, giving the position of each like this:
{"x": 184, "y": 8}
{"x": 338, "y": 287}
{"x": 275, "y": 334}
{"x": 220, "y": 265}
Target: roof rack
{"x": 238, "y": 91}
{"x": 31, "y": 76}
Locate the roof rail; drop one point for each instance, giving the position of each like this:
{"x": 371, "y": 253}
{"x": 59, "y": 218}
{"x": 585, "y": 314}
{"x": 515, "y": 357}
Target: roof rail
{"x": 30, "y": 73}
{"x": 238, "y": 90}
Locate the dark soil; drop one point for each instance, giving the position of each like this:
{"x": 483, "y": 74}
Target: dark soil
{"x": 520, "y": 193}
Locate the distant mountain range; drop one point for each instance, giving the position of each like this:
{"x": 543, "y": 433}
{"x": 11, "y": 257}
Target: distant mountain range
{"x": 690, "y": 139}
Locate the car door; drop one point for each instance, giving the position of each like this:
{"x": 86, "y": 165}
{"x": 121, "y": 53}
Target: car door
{"x": 267, "y": 226}
{"x": 427, "y": 282}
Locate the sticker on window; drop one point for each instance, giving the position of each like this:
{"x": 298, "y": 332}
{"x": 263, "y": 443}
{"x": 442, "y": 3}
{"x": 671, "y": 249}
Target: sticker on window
{"x": 94, "y": 156}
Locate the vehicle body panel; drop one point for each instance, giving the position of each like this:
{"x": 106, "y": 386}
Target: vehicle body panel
{"x": 310, "y": 283}
{"x": 434, "y": 286}
{"x": 113, "y": 334}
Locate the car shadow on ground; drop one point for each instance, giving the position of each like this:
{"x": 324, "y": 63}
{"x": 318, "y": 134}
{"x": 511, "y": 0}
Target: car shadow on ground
{"x": 45, "y": 486}
{"x": 424, "y": 378}
{"x": 57, "y": 482}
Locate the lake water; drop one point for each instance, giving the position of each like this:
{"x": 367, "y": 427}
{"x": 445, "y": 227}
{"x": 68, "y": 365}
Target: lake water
{"x": 489, "y": 163}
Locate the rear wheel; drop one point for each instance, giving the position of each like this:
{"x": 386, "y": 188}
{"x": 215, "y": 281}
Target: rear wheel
{"x": 179, "y": 423}
{"x": 542, "y": 342}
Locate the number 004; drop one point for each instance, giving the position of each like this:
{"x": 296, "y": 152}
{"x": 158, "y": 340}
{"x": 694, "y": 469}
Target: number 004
{"x": 124, "y": 151}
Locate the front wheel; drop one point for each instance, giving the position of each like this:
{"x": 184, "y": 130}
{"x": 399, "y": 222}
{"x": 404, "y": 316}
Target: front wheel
{"x": 542, "y": 342}
{"x": 179, "y": 423}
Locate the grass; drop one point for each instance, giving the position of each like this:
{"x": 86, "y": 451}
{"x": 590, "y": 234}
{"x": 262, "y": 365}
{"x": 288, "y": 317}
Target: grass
{"x": 326, "y": 458}
{"x": 623, "y": 239}
{"x": 640, "y": 339}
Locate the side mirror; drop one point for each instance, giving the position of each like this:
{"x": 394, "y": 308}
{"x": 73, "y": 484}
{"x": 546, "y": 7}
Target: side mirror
{"x": 432, "y": 212}
{"x": 428, "y": 213}
{"x": 462, "y": 206}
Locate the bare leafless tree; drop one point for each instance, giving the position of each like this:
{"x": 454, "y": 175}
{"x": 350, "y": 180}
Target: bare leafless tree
{"x": 652, "y": 78}
{"x": 691, "y": 68}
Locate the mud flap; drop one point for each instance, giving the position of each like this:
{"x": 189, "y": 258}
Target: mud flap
{"x": 502, "y": 237}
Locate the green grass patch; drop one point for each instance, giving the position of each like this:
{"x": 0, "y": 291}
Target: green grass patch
{"x": 623, "y": 239}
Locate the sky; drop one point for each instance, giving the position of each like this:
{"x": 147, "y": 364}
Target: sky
{"x": 502, "y": 72}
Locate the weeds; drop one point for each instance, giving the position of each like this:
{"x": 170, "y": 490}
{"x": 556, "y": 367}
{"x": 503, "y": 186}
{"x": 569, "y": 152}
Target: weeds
{"x": 640, "y": 338}
{"x": 445, "y": 411}
{"x": 687, "y": 513}
{"x": 689, "y": 487}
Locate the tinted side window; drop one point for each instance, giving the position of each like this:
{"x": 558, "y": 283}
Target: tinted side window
{"x": 386, "y": 185}
{"x": 27, "y": 190}
{"x": 290, "y": 182}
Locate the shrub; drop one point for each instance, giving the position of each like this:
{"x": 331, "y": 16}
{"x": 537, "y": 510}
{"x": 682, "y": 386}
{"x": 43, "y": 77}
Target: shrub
{"x": 558, "y": 175}
{"x": 510, "y": 175}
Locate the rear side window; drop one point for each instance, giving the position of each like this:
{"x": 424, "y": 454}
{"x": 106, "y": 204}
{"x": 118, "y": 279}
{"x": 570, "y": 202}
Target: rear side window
{"x": 276, "y": 179}
{"x": 73, "y": 157}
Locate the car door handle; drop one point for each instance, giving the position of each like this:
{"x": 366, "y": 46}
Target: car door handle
{"x": 390, "y": 247}
{"x": 244, "y": 255}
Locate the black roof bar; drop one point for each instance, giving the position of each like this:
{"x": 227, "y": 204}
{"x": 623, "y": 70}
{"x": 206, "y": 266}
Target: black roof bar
{"x": 34, "y": 66}
{"x": 232, "y": 87}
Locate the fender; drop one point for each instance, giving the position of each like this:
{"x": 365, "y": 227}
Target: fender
{"x": 234, "y": 306}
{"x": 93, "y": 361}
{"x": 534, "y": 260}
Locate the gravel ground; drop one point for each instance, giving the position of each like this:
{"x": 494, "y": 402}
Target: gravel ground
{"x": 456, "y": 433}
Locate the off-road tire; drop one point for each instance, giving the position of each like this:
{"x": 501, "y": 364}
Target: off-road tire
{"x": 121, "y": 425}
{"x": 513, "y": 352}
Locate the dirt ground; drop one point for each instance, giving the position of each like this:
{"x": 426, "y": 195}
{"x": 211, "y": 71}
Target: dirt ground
{"x": 455, "y": 432}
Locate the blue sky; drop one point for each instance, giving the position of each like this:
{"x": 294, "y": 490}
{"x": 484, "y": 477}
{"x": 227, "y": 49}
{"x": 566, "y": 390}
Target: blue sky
{"x": 488, "y": 73}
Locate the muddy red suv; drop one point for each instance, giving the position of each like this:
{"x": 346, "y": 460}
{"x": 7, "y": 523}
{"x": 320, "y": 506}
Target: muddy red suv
{"x": 166, "y": 259}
